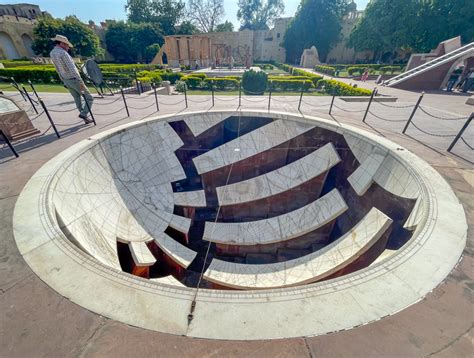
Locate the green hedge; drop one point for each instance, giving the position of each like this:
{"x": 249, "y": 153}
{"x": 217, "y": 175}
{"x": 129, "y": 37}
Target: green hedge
{"x": 152, "y": 77}
{"x": 339, "y": 88}
{"x": 42, "y": 74}
{"x": 391, "y": 69}
{"x": 254, "y": 82}
{"x": 221, "y": 83}
{"x": 193, "y": 82}
{"x": 327, "y": 70}
{"x": 129, "y": 67}
{"x": 290, "y": 85}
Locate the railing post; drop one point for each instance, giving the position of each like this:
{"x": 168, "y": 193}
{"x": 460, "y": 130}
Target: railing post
{"x": 9, "y": 143}
{"x": 332, "y": 101}
{"x": 17, "y": 86}
{"x": 270, "y": 97}
{"x": 413, "y": 113}
{"x": 301, "y": 96}
{"x": 29, "y": 99}
{"x": 156, "y": 98}
{"x": 459, "y": 135}
{"x": 212, "y": 88}
{"x": 49, "y": 117}
{"x": 33, "y": 88}
{"x": 139, "y": 88}
{"x": 240, "y": 93}
{"x": 186, "y": 95}
{"x": 89, "y": 109}
{"x": 124, "y": 101}
{"x": 370, "y": 102}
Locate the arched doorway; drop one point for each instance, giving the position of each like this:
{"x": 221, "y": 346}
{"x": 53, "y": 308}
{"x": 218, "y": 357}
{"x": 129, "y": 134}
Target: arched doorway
{"x": 28, "y": 43}
{"x": 8, "y": 48}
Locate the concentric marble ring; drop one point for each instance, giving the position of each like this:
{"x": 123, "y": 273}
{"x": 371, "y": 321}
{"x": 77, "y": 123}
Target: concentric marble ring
{"x": 367, "y": 295}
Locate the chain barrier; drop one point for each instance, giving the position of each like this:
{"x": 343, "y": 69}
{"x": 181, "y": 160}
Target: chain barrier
{"x": 137, "y": 108}
{"x": 46, "y": 131}
{"x": 347, "y": 110}
{"x": 109, "y": 114}
{"x": 63, "y": 111}
{"x": 226, "y": 99}
{"x": 206, "y": 100}
{"x": 37, "y": 116}
{"x": 255, "y": 101}
{"x": 440, "y": 118}
{"x": 386, "y": 119}
{"x": 106, "y": 103}
{"x": 390, "y": 106}
{"x": 471, "y": 148}
{"x": 172, "y": 104}
{"x": 69, "y": 124}
{"x": 433, "y": 134}
{"x": 318, "y": 106}
{"x": 284, "y": 101}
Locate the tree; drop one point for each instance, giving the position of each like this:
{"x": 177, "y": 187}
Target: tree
{"x": 151, "y": 51}
{"x": 86, "y": 42}
{"x": 225, "y": 27}
{"x": 416, "y": 24}
{"x": 165, "y": 13}
{"x": 205, "y": 14}
{"x": 259, "y": 14}
{"x": 128, "y": 42}
{"x": 386, "y": 25}
{"x": 316, "y": 23}
{"x": 187, "y": 28}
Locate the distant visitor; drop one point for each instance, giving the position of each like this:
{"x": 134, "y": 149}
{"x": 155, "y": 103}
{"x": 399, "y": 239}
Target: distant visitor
{"x": 70, "y": 76}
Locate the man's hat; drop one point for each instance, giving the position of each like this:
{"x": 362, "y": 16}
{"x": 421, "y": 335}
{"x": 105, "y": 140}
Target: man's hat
{"x": 62, "y": 38}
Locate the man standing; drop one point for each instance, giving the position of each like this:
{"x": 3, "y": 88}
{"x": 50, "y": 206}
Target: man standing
{"x": 70, "y": 75}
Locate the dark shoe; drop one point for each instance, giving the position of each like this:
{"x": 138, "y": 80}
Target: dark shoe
{"x": 84, "y": 117}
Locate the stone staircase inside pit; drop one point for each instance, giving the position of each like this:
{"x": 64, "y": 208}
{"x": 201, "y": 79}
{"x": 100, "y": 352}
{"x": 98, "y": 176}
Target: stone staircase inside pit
{"x": 462, "y": 51}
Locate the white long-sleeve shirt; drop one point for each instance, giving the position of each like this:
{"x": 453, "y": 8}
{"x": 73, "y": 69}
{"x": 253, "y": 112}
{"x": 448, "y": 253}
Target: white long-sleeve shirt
{"x": 64, "y": 64}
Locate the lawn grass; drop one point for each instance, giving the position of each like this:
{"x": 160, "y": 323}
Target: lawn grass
{"x": 39, "y": 87}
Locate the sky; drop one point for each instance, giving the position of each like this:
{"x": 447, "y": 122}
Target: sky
{"x": 99, "y": 10}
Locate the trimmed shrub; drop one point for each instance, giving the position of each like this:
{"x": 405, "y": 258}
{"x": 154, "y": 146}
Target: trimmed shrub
{"x": 171, "y": 76}
{"x": 290, "y": 85}
{"x": 180, "y": 86}
{"x": 355, "y": 70}
{"x": 254, "y": 82}
{"x": 152, "y": 78}
{"x": 222, "y": 83}
{"x": 339, "y": 88}
{"x": 391, "y": 69}
{"x": 193, "y": 82}
{"x": 200, "y": 75}
{"x": 42, "y": 74}
{"x": 284, "y": 67}
{"x": 327, "y": 70}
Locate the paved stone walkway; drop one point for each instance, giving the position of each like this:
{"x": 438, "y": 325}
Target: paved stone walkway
{"x": 36, "y": 321}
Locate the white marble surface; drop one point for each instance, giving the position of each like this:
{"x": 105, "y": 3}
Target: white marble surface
{"x": 392, "y": 175}
{"x": 178, "y": 252}
{"x": 249, "y": 144}
{"x": 141, "y": 254}
{"x": 333, "y": 305}
{"x": 279, "y": 228}
{"x": 362, "y": 178}
{"x": 200, "y": 124}
{"x": 168, "y": 280}
{"x": 195, "y": 198}
{"x": 280, "y": 180}
{"x": 309, "y": 268}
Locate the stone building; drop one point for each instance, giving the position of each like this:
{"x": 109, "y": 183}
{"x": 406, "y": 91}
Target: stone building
{"x": 16, "y": 30}
{"x": 218, "y": 48}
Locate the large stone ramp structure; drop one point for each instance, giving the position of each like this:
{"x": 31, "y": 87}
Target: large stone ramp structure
{"x": 433, "y": 74}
